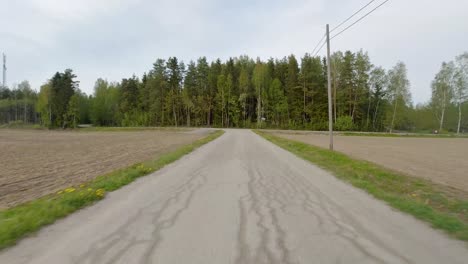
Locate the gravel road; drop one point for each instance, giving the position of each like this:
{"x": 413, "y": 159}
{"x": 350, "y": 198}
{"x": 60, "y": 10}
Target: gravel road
{"x": 238, "y": 199}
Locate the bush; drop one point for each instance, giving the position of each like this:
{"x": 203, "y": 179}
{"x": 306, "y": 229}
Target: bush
{"x": 318, "y": 125}
{"x": 135, "y": 119}
{"x": 344, "y": 123}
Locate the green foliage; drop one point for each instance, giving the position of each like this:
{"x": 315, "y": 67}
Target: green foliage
{"x": 43, "y": 105}
{"x": 27, "y": 218}
{"x": 277, "y": 104}
{"x": 135, "y": 119}
{"x": 318, "y": 125}
{"x": 19, "y": 124}
{"x": 128, "y": 98}
{"x": 422, "y": 199}
{"x": 126, "y": 129}
{"x": 286, "y": 93}
{"x": 73, "y": 111}
{"x": 399, "y": 98}
{"x": 344, "y": 123}
{"x": 104, "y": 104}
{"x": 18, "y": 104}
{"x": 442, "y": 91}
{"x": 62, "y": 88}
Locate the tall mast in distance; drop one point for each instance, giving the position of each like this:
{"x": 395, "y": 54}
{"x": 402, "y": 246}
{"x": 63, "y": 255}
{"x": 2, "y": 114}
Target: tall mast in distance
{"x": 4, "y": 70}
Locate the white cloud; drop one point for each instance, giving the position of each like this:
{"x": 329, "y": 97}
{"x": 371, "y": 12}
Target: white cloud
{"x": 116, "y": 38}
{"x": 80, "y": 10}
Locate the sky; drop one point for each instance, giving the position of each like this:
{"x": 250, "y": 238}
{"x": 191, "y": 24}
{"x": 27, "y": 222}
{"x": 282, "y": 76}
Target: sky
{"x": 114, "y": 39}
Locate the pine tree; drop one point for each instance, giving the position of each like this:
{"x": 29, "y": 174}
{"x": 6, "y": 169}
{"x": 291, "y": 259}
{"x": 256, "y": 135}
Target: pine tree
{"x": 62, "y": 88}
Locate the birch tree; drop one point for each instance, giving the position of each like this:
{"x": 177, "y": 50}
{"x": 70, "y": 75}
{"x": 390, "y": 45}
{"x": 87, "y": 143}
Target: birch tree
{"x": 460, "y": 94}
{"x": 442, "y": 91}
{"x": 378, "y": 83}
{"x": 398, "y": 90}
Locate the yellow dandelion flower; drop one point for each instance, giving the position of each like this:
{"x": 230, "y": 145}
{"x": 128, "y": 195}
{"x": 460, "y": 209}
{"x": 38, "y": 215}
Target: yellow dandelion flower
{"x": 100, "y": 192}
{"x": 69, "y": 190}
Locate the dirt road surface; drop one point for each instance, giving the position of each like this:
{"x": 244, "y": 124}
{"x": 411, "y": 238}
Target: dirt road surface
{"x": 34, "y": 163}
{"x": 240, "y": 200}
{"x": 441, "y": 160}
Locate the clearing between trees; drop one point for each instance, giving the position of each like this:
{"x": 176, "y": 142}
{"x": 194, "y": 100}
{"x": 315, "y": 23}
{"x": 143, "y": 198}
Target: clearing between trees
{"x": 38, "y": 162}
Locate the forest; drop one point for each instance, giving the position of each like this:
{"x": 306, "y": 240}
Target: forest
{"x": 287, "y": 93}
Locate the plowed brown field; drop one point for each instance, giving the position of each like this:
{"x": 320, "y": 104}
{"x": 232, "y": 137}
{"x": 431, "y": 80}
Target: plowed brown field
{"x": 441, "y": 160}
{"x": 36, "y": 163}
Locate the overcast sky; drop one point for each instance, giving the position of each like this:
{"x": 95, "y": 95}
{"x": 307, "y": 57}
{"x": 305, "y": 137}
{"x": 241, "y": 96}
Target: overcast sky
{"x": 113, "y": 39}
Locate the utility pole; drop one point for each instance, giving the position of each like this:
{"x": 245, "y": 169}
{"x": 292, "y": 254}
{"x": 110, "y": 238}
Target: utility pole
{"x": 330, "y": 111}
{"x": 4, "y": 70}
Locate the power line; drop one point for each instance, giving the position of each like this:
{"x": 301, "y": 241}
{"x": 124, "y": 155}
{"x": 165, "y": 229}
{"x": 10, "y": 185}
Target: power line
{"x": 316, "y": 46}
{"x": 348, "y": 27}
{"x": 357, "y": 12}
{"x": 320, "y": 49}
{"x": 361, "y": 18}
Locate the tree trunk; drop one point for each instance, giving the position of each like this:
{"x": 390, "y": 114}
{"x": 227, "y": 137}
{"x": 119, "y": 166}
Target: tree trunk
{"x": 16, "y": 109}
{"x": 50, "y": 116}
{"x": 304, "y": 105}
{"x": 227, "y": 109}
{"x": 188, "y": 117}
{"x": 259, "y": 107}
{"x": 442, "y": 116}
{"x": 368, "y": 112}
{"x": 222, "y": 108}
{"x": 209, "y": 113}
{"x": 393, "y": 118}
{"x": 442, "y": 119}
{"x": 459, "y": 118}
{"x": 334, "y": 91}
{"x": 375, "y": 115}
{"x": 354, "y": 106}
{"x": 334, "y": 102}
{"x": 245, "y": 113}
{"x": 162, "y": 106}
{"x": 174, "y": 113}
{"x": 25, "y": 112}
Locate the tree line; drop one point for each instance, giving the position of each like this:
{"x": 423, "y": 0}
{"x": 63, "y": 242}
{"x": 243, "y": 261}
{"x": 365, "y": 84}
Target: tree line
{"x": 282, "y": 93}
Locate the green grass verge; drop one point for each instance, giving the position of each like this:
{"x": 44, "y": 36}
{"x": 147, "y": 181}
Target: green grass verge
{"x": 21, "y": 125}
{"x": 24, "y": 219}
{"x": 123, "y": 129}
{"x": 402, "y": 135}
{"x": 429, "y": 202}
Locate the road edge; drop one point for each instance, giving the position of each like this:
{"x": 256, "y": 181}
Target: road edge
{"x": 418, "y": 197}
{"x": 25, "y": 219}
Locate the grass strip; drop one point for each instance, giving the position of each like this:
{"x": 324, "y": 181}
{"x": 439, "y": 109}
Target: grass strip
{"x": 24, "y": 219}
{"x": 423, "y": 199}
{"x": 125, "y": 129}
{"x": 402, "y": 135}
